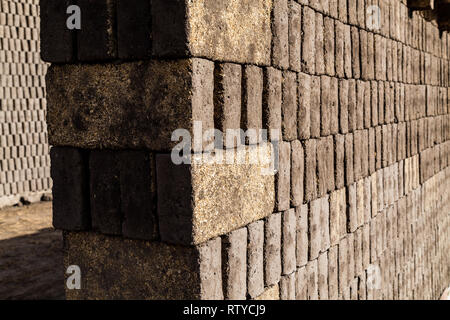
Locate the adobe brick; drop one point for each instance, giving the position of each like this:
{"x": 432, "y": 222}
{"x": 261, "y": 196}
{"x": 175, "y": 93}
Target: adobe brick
{"x": 70, "y": 174}
{"x": 234, "y": 264}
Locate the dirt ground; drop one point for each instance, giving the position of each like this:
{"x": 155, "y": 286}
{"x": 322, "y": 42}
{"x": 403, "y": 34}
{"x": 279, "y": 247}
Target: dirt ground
{"x": 30, "y": 254}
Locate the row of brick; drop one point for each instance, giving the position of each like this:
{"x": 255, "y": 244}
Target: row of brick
{"x": 293, "y": 249}
{"x": 318, "y": 166}
{"x": 319, "y": 45}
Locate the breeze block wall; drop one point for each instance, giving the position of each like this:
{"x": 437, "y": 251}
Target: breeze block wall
{"x": 358, "y": 208}
{"x": 24, "y": 157}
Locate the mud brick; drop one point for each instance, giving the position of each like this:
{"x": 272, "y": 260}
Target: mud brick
{"x": 364, "y": 153}
{"x": 380, "y": 57}
{"x": 334, "y": 106}
{"x": 352, "y": 13}
{"x": 379, "y": 220}
{"x": 414, "y": 137}
{"x": 234, "y": 264}
{"x": 360, "y": 202}
{"x": 322, "y": 168}
{"x": 227, "y": 99}
{"x": 388, "y": 100}
{"x": 343, "y": 264}
{"x": 322, "y": 264}
{"x": 338, "y": 216}
{"x": 210, "y": 257}
{"x": 354, "y": 289}
{"x": 359, "y": 252}
{"x": 313, "y": 280}
{"x": 288, "y": 242}
{"x": 367, "y": 105}
{"x": 388, "y": 60}
{"x": 138, "y": 194}
{"x": 339, "y": 144}
{"x": 106, "y": 212}
{"x": 315, "y": 106}
{"x": 343, "y": 106}
{"x": 329, "y": 42}
{"x": 310, "y": 175}
{"x": 272, "y": 98}
{"x": 319, "y": 45}
{"x": 280, "y": 30}
{"x": 308, "y": 40}
{"x": 355, "y": 52}
{"x": 301, "y": 284}
{"x": 325, "y": 224}
{"x": 297, "y": 173}
{"x": 302, "y": 235}
{"x": 349, "y": 175}
{"x": 347, "y": 52}
{"x": 251, "y": 117}
{"x": 70, "y": 205}
{"x": 352, "y": 214}
{"x": 400, "y": 102}
{"x": 314, "y": 228}
{"x": 333, "y": 8}
{"x": 400, "y": 61}
{"x": 366, "y": 246}
{"x": 56, "y": 38}
{"x": 374, "y": 102}
{"x": 352, "y": 105}
{"x": 357, "y": 143}
{"x": 304, "y": 114}
{"x": 339, "y": 48}
{"x": 373, "y": 240}
{"x": 325, "y": 110}
{"x": 97, "y": 37}
{"x": 134, "y": 29}
{"x": 367, "y": 200}
{"x": 351, "y": 255}
{"x": 342, "y": 10}
{"x": 371, "y": 151}
{"x": 394, "y": 141}
{"x": 330, "y": 163}
{"x": 401, "y": 180}
{"x": 169, "y": 31}
{"x": 289, "y": 107}
{"x": 333, "y": 273}
{"x": 295, "y": 35}
{"x": 272, "y": 249}
{"x": 378, "y": 147}
{"x": 394, "y": 62}
{"x": 364, "y": 57}
{"x": 370, "y": 56}
{"x": 179, "y": 191}
{"x": 283, "y": 177}
{"x": 255, "y": 259}
{"x": 287, "y": 287}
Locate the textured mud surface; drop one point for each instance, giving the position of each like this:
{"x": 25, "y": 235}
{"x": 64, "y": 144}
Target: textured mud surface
{"x": 30, "y": 254}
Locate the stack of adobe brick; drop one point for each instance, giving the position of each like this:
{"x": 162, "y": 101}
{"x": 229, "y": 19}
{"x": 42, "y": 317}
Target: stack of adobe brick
{"x": 357, "y": 209}
{"x": 24, "y": 160}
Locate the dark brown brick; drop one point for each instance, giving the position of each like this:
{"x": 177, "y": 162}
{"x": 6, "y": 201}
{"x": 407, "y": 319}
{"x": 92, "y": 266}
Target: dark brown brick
{"x": 70, "y": 174}
{"x": 97, "y": 39}
{"x": 56, "y": 39}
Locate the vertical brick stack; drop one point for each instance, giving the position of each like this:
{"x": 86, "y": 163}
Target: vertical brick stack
{"x": 356, "y": 209}
{"x": 24, "y": 160}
